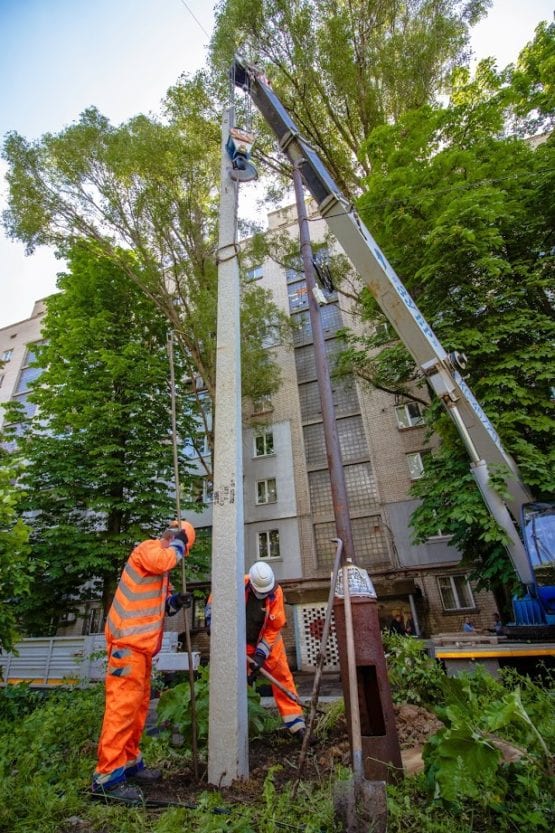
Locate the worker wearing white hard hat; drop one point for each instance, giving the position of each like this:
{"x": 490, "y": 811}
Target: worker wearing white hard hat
{"x": 265, "y": 619}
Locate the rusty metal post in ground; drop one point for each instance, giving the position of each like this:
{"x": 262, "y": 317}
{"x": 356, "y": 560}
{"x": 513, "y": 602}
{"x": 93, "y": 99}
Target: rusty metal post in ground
{"x": 379, "y": 733}
{"x": 381, "y": 753}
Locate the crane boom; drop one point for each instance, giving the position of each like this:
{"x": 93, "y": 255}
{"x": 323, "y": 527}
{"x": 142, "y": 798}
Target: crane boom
{"x": 478, "y": 434}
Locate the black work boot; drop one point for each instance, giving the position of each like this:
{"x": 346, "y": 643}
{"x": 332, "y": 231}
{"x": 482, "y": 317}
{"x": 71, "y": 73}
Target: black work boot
{"x": 122, "y": 793}
{"x": 145, "y": 775}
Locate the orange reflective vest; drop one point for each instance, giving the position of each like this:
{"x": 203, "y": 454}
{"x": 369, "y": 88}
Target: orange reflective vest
{"x": 274, "y": 618}
{"x": 136, "y": 617}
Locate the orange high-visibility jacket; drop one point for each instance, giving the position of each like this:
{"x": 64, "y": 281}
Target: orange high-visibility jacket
{"x": 136, "y": 617}
{"x": 274, "y": 619}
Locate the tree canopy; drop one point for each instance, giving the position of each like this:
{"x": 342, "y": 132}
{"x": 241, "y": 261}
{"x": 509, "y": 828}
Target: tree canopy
{"x": 341, "y": 69}
{"x": 98, "y": 469}
{"x": 465, "y": 214}
{"x": 15, "y": 567}
{"x": 151, "y": 187}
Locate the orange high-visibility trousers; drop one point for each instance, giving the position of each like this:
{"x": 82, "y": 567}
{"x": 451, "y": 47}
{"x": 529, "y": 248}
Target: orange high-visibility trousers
{"x": 278, "y": 667}
{"x": 127, "y": 703}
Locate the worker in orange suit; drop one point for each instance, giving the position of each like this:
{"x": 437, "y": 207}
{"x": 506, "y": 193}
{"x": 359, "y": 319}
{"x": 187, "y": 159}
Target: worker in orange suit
{"x": 134, "y": 630}
{"x": 265, "y": 619}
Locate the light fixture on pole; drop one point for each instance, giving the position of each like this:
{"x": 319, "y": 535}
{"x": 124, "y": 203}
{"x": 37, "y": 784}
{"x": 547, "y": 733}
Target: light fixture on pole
{"x": 239, "y": 145}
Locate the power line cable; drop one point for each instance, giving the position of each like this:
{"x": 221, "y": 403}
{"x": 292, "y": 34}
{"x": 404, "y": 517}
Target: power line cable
{"x": 197, "y": 21}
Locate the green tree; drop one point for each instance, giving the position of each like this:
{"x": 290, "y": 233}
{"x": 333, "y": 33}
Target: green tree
{"x": 15, "y": 568}
{"x": 150, "y": 186}
{"x": 98, "y": 458}
{"x": 465, "y": 213}
{"x": 342, "y": 68}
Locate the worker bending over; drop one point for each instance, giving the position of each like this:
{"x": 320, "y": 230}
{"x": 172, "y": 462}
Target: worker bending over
{"x": 265, "y": 619}
{"x": 134, "y": 630}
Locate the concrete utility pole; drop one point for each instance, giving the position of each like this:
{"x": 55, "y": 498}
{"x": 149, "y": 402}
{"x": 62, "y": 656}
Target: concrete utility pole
{"x": 228, "y": 724}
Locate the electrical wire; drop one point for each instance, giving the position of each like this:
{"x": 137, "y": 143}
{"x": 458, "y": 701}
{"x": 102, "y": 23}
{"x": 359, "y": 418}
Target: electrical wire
{"x": 197, "y": 21}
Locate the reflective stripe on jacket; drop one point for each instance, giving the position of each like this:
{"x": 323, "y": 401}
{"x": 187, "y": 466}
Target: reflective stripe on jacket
{"x": 136, "y": 616}
{"x": 274, "y": 619}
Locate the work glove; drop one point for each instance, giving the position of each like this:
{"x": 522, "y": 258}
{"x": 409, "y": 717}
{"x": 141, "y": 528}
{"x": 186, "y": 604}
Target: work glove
{"x": 179, "y": 542}
{"x": 258, "y": 659}
{"x": 182, "y": 536}
{"x": 175, "y": 602}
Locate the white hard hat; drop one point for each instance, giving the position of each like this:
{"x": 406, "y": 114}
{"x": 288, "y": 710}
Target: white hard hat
{"x": 262, "y": 579}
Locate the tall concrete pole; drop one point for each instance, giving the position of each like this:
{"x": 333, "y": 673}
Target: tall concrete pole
{"x": 228, "y": 724}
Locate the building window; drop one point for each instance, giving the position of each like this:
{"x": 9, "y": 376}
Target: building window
{"x": 298, "y": 298}
{"x": 271, "y": 338}
{"x": 455, "y": 592}
{"x": 201, "y": 447}
{"x": 383, "y": 331}
{"x": 268, "y": 544}
{"x": 415, "y": 463}
{"x": 198, "y": 622}
{"x": 264, "y": 442}
{"x": 266, "y": 491}
{"x": 207, "y": 490}
{"x": 7, "y": 355}
{"x": 409, "y": 415}
{"x": 254, "y": 274}
{"x": 200, "y": 491}
{"x": 27, "y": 375}
{"x": 1, "y": 380}
{"x": 262, "y": 405}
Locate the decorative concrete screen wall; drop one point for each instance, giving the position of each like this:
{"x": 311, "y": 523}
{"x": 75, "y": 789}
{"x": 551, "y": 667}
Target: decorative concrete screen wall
{"x": 309, "y": 624}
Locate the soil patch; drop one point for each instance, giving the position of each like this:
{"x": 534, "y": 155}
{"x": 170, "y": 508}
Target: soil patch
{"x": 280, "y": 752}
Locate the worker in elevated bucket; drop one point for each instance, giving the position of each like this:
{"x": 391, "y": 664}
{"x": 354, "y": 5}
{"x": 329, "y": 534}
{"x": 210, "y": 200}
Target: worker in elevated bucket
{"x": 265, "y": 619}
{"x": 134, "y": 630}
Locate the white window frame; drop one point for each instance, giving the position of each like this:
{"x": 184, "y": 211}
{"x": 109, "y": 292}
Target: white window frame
{"x": 265, "y": 551}
{"x": 255, "y": 273}
{"x": 451, "y": 580}
{"x": 407, "y": 420}
{"x": 263, "y": 405}
{"x": 383, "y": 330}
{"x": 266, "y": 491}
{"x": 207, "y": 491}
{"x": 267, "y": 436}
{"x": 7, "y": 355}
{"x": 416, "y": 471}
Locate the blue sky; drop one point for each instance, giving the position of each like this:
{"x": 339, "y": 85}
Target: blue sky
{"x": 58, "y": 57}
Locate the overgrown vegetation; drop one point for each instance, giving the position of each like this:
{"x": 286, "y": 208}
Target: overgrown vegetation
{"x": 15, "y": 577}
{"x": 487, "y": 771}
{"x": 413, "y": 675}
{"x": 175, "y": 710}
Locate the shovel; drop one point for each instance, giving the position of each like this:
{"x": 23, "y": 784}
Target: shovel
{"x": 291, "y": 694}
{"x": 360, "y": 806}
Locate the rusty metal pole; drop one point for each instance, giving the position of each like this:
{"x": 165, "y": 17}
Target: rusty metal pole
{"x": 380, "y": 750}
{"x": 333, "y": 451}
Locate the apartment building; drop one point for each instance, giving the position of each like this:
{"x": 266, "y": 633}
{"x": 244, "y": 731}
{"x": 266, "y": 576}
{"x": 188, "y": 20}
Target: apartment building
{"x": 16, "y": 354}
{"x": 288, "y": 510}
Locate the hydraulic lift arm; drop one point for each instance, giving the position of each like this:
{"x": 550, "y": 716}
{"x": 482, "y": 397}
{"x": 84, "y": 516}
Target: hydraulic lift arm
{"x": 478, "y": 434}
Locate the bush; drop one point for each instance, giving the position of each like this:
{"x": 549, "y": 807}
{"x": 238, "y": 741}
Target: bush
{"x": 16, "y": 701}
{"x": 174, "y": 710}
{"x": 413, "y": 675}
{"x": 47, "y": 758}
{"x": 464, "y": 762}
